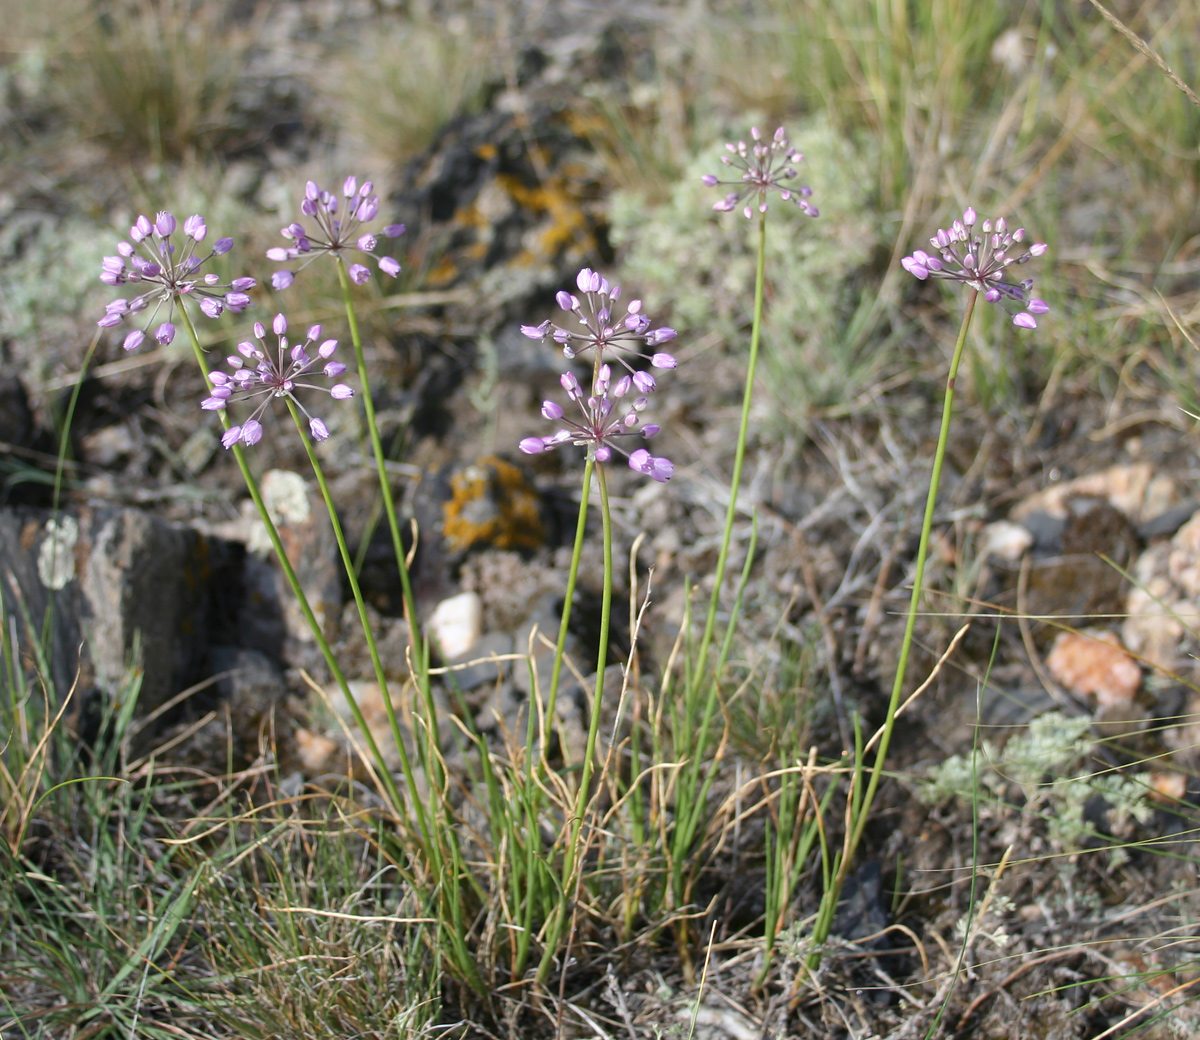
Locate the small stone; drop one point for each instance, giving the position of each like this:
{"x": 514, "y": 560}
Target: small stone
{"x": 1095, "y": 664}
{"x": 1135, "y": 489}
{"x": 318, "y": 754}
{"x": 457, "y": 624}
{"x": 1168, "y": 786}
{"x": 1005, "y": 540}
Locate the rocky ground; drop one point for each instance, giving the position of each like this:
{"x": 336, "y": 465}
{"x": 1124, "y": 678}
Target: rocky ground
{"x": 1067, "y": 504}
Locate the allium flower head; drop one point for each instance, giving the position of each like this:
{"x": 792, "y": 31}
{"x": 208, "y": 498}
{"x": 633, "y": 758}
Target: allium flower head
{"x": 605, "y": 420}
{"x": 339, "y": 229}
{"x": 629, "y": 334}
{"x": 257, "y": 372}
{"x": 982, "y": 261}
{"x": 765, "y": 166}
{"x": 167, "y": 274}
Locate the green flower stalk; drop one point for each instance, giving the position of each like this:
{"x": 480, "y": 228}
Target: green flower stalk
{"x": 980, "y": 261}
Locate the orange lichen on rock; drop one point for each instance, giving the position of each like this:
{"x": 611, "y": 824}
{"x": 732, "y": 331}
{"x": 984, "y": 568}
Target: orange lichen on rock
{"x": 493, "y": 504}
{"x": 1095, "y": 664}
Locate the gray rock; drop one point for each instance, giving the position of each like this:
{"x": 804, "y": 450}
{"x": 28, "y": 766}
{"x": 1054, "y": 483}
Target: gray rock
{"x": 109, "y": 579}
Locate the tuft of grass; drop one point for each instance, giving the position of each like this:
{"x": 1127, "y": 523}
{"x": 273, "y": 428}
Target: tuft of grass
{"x": 392, "y": 91}
{"x": 312, "y": 928}
{"x": 95, "y": 913}
{"x": 155, "y": 79}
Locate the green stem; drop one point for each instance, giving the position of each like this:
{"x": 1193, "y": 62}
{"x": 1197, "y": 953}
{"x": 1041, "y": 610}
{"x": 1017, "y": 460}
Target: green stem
{"x": 389, "y": 505}
{"x": 572, "y": 576}
{"x": 534, "y": 790}
{"x": 570, "y": 861}
{"x": 862, "y": 811}
{"x": 419, "y": 649}
{"x": 739, "y": 457}
{"x": 369, "y": 635}
{"x": 293, "y": 581}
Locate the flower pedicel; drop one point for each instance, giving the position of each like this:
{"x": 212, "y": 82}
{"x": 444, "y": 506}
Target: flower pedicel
{"x": 335, "y": 234}
{"x": 766, "y": 167}
{"x": 169, "y": 276}
{"x": 981, "y": 261}
{"x": 605, "y": 421}
{"x": 274, "y": 376}
{"x": 630, "y": 334}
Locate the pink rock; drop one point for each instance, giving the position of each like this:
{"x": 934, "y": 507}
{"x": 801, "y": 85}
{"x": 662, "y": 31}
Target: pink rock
{"x": 1095, "y": 664}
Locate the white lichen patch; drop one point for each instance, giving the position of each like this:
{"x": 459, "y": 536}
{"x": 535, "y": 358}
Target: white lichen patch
{"x": 285, "y": 494}
{"x": 56, "y": 555}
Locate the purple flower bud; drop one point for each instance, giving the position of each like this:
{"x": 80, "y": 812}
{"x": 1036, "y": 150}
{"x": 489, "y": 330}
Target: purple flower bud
{"x": 532, "y": 445}
{"x": 659, "y": 469}
{"x": 551, "y": 410}
{"x": 211, "y": 308}
{"x": 644, "y": 381}
{"x": 134, "y": 340}
{"x": 368, "y": 209}
{"x": 195, "y": 228}
{"x": 350, "y": 186}
{"x": 222, "y": 246}
{"x": 359, "y": 275}
{"x": 334, "y": 369}
{"x": 602, "y": 453}
{"x": 588, "y": 280}
{"x": 165, "y": 333}
{"x": 1024, "y": 320}
{"x": 165, "y": 224}
{"x": 278, "y": 253}
{"x": 252, "y": 432}
{"x": 537, "y": 332}
{"x": 663, "y": 361}
{"x": 279, "y": 325}
{"x": 319, "y": 431}
{"x": 340, "y": 392}
{"x": 394, "y": 230}
{"x": 231, "y": 436}
{"x": 110, "y": 320}
{"x": 367, "y": 242}
{"x": 389, "y": 265}
{"x": 237, "y": 301}
{"x": 709, "y": 180}
{"x": 282, "y": 279}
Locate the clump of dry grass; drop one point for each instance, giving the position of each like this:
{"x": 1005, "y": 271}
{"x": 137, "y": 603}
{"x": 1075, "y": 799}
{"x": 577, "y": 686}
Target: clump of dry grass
{"x": 391, "y": 91}
{"x": 153, "y": 79}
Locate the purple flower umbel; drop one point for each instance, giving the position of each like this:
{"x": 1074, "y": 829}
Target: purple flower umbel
{"x": 606, "y": 419}
{"x": 335, "y": 234}
{"x": 271, "y": 377}
{"x": 766, "y": 167}
{"x": 168, "y": 276}
{"x": 630, "y": 334}
{"x": 981, "y": 261}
